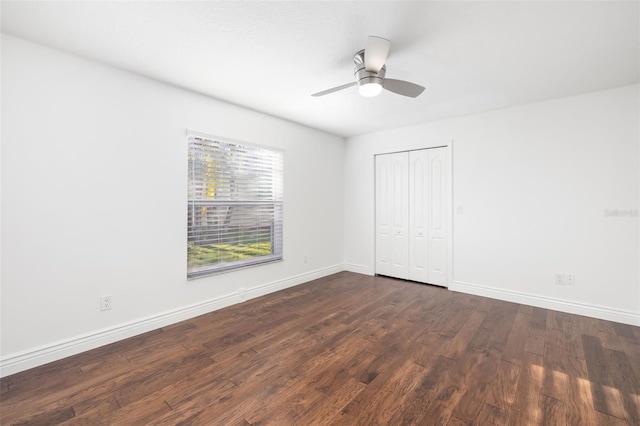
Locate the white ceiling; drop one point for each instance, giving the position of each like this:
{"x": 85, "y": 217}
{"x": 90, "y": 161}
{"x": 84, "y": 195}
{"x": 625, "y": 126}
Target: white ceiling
{"x": 271, "y": 56}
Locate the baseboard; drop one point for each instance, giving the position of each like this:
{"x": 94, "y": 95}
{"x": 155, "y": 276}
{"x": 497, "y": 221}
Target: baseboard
{"x": 271, "y": 287}
{"x": 601, "y": 312}
{"x": 359, "y": 269}
{"x": 25, "y": 360}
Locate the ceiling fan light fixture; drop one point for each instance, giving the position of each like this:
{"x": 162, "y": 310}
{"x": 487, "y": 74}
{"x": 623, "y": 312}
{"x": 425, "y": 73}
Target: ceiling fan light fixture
{"x": 370, "y": 83}
{"x": 369, "y": 90}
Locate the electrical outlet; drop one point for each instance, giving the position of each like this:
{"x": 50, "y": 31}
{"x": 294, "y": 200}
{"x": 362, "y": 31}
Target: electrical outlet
{"x": 570, "y": 280}
{"x": 306, "y": 258}
{"x": 560, "y": 279}
{"x": 105, "y": 302}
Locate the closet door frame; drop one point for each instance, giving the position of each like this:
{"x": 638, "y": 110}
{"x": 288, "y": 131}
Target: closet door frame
{"x": 449, "y": 204}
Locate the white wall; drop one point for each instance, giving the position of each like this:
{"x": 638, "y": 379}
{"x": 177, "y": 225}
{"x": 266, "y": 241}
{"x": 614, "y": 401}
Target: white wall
{"x": 534, "y": 183}
{"x": 94, "y": 187}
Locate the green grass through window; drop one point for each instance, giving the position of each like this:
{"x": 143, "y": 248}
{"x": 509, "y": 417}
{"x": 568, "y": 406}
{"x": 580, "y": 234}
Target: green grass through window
{"x": 218, "y": 253}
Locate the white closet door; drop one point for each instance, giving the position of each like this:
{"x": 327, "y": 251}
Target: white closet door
{"x": 392, "y": 215}
{"x": 419, "y": 215}
{"x": 437, "y": 216}
{"x": 427, "y": 218}
{"x": 400, "y": 216}
{"x": 383, "y": 214}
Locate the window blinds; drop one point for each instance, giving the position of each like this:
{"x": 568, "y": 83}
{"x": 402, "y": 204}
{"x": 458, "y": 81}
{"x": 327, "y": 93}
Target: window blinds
{"x": 235, "y": 205}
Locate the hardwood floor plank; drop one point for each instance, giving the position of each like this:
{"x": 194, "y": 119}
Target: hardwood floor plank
{"x": 413, "y": 408}
{"x": 112, "y": 362}
{"x": 577, "y": 397}
{"x": 627, "y": 331}
{"x": 47, "y": 418}
{"x": 275, "y": 384}
{"x": 572, "y": 335}
{"x": 46, "y": 378}
{"x": 230, "y": 345}
{"x": 450, "y": 323}
{"x": 157, "y": 379}
{"x": 170, "y": 337}
{"x": 538, "y": 318}
{"x": 602, "y": 419}
{"x": 440, "y": 403}
{"x": 290, "y": 405}
{"x": 387, "y": 392}
{"x": 325, "y": 408}
{"x": 101, "y": 405}
{"x": 209, "y": 402}
{"x": 503, "y": 386}
{"x": 507, "y": 315}
{"x": 525, "y": 409}
{"x": 457, "y": 346}
{"x": 483, "y": 338}
{"x": 492, "y": 415}
{"x": 535, "y": 341}
{"x": 368, "y": 309}
{"x": 514, "y": 350}
{"x": 347, "y": 349}
{"x": 475, "y": 387}
{"x": 555, "y": 320}
{"x": 39, "y": 400}
{"x": 606, "y": 398}
{"x": 632, "y": 351}
{"x": 556, "y": 378}
{"x": 604, "y": 331}
{"x": 624, "y": 380}
{"x": 427, "y": 348}
{"x": 553, "y": 412}
{"x": 144, "y": 412}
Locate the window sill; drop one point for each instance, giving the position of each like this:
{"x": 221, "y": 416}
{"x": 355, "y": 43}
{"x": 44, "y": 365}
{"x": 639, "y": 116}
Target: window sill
{"x": 230, "y": 267}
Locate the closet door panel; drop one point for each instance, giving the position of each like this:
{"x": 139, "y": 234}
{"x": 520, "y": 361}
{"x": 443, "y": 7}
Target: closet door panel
{"x": 383, "y": 214}
{"x": 418, "y": 217}
{"x": 392, "y": 215}
{"x": 400, "y": 216}
{"x": 437, "y": 216}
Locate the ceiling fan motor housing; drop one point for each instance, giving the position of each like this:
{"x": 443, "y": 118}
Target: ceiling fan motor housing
{"x": 366, "y": 77}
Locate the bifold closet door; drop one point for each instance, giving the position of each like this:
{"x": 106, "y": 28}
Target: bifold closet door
{"x": 392, "y": 215}
{"x": 411, "y": 215}
{"x": 427, "y": 216}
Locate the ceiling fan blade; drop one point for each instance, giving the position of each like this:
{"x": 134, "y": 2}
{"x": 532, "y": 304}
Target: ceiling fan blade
{"x": 334, "y": 89}
{"x": 376, "y": 52}
{"x": 402, "y": 87}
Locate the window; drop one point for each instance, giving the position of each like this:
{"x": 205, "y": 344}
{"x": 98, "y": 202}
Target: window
{"x": 234, "y": 207}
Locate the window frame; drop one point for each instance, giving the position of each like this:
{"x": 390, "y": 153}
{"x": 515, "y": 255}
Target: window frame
{"x": 276, "y": 202}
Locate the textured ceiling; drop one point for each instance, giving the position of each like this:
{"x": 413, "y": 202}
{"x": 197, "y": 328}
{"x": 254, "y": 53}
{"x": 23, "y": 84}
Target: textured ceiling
{"x": 271, "y": 56}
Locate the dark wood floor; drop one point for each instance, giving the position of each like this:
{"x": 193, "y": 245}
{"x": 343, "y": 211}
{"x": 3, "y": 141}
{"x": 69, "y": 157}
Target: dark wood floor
{"x": 348, "y": 349}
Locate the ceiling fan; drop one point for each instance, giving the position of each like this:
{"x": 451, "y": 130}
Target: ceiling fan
{"x": 370, "y": 73}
